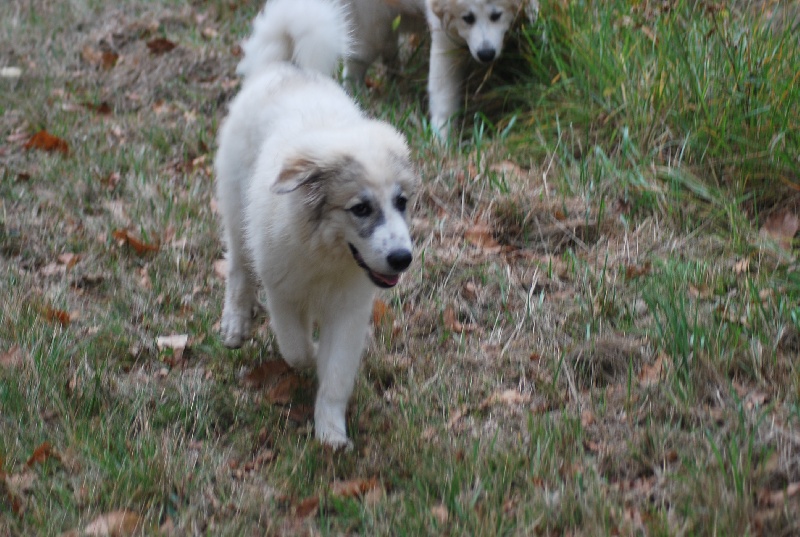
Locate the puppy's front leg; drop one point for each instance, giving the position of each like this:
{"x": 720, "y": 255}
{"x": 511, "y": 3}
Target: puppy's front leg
{"x": 444, "y": 80}
{"x": 342, "y": 339}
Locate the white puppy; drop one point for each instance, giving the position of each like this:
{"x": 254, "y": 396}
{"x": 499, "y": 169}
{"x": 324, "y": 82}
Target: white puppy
{"x": 459, "y": 28}
{"x": 313, "y": 198}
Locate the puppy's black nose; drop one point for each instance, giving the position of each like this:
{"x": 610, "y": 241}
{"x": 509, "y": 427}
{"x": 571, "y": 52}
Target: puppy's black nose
{"x": 486, "y": 54}
{"x": 399, "y": 259}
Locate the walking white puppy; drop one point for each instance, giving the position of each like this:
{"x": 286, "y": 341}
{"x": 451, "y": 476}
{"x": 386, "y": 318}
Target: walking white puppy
{"x": 313, "y": 197}
{"x": 459, "y": 28}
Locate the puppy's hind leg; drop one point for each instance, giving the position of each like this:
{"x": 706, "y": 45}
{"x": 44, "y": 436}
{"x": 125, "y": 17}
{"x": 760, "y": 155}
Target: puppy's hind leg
{"x": 241, "y": 303}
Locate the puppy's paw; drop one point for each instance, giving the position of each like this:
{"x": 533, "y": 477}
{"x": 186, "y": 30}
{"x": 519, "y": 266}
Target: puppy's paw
{"x": 235, "y": 328}
{"x": 334, "y": 439}
{"x": 329, "y": 428}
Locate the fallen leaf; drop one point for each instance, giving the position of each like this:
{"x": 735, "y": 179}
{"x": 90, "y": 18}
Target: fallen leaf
{"x": 57, "y": 316}
{"x": 115, "y": 524}
{"x": 452, "y": 323}
{"x": 507, "y": 169}
{"x": 265, "y": 373}
{"x": 123, "y": 236}
{"x": 41, "y": 454}
{"x": 742, "y": 266}
{"x": 221, "y": 269}
{"x": 11, "y": 359}
{"x": 45, "y": 141}
{"x": 301, "y": 413}
{"x": 381, "y": 313}
{"x": 781, "y": 227}
{"x": 111, "y": 180}
{"x": 481, "y": 236}
{"x": 587, "y": 418}
{"x": 176, "y": 342}
{"x": 778, "y": 497}
{"x": 160, "y": 45}
{"x": 635, "y": 271}
{"x": 91, "y": 55}
{"x": 650, "y": 375}
{"x": 10, "y": 72}
{"x": 440, "y": 513}
{"x": 457, "y": 415}
{"x": 283, "y": 392}
{"x": 68, "y": 259}
{"x": 307, "y": 507}
{"x": 510, "y": 397}
{"x": 103, "y": 108}
{"x": 354, "y": 487}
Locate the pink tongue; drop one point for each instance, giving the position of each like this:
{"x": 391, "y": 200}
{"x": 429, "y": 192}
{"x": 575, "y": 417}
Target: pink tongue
{"x": 385, "y": 278}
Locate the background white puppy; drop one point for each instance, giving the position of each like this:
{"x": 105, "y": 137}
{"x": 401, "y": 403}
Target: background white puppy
{"x": 313, "y": 198}
{"x": 459, "y": 28}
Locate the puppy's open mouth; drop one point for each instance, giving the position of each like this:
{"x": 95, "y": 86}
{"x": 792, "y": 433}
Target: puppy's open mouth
{"x": 385, "y": 281}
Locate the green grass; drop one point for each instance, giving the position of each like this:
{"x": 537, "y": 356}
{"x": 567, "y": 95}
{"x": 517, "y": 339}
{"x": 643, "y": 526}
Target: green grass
{"x": 629, "y": 363}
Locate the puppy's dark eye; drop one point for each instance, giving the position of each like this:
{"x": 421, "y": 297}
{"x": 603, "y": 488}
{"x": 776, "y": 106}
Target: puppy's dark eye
{"x": 469, "y": 18}
{"x": 494, "y": 17}
{"x": 361, "y": 210}
{"x": 400, "y": 203}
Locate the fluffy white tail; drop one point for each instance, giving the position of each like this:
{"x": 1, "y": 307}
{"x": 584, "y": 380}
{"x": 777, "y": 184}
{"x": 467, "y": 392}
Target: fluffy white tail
{"x": 312, "y": 34}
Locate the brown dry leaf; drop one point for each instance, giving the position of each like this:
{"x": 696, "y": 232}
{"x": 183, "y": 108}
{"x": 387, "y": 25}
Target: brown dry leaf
{"x": 781, "y": 227}
{"x": 635, "y": 271}
{"x": 587, "y": 418}
{"x": 510, "y": 397}
{"x": 481, "y": 236}
{"x": 108, "y": 59}
{"x": 282, "y": 393}
{"x": 123, "y": 236}
{"x": 265, "y": 373}
{"x": 382, "y": 314}
{"x": 68, "y": 259}
{"x": 301, "y": 413}
{"x": 111, "y": 180}
{"x": 440, "y": 513}
{"x": 11, "y": 359}
{"x": 508, "y": 169}
{"x": 778, "y": 497}
{"x": 354, "y": 487}
{"x": 650, "y": 375}
{"x": 91, "y": 55}
{"x": 742, "y": 266}
{"x": 57, "y": 316}
{"x": 457, "y": 415}
{"x": 160, "y": 45}
{"x": 452, "y": 323}
{"x": 103, "y": 109}
{"x": 221, "y": 269}
{"x": 41, "y": 454}
{"x": 307, "y": 507}
{"x": 115, "y": 524}
{"x": 45, "y": 141}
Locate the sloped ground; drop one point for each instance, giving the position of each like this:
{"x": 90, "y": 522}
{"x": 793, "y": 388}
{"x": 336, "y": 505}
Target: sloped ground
{"x": 559, "y": 361}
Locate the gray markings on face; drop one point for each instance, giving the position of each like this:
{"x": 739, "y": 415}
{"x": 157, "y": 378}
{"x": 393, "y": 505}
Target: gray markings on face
{"x": 367, "y": 225}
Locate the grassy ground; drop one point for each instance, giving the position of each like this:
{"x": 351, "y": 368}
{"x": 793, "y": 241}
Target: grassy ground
{"x": 600, "y": 335}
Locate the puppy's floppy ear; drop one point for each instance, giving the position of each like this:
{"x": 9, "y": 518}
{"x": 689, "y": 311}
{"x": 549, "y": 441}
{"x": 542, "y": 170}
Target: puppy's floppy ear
{"x": 438, "y": 8}
{"x": 297, "y": 172}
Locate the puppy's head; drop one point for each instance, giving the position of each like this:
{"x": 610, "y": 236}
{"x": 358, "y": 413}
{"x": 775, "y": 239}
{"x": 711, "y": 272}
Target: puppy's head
{"x": 355, "y": 189}
{"x": 480, "y": 24}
